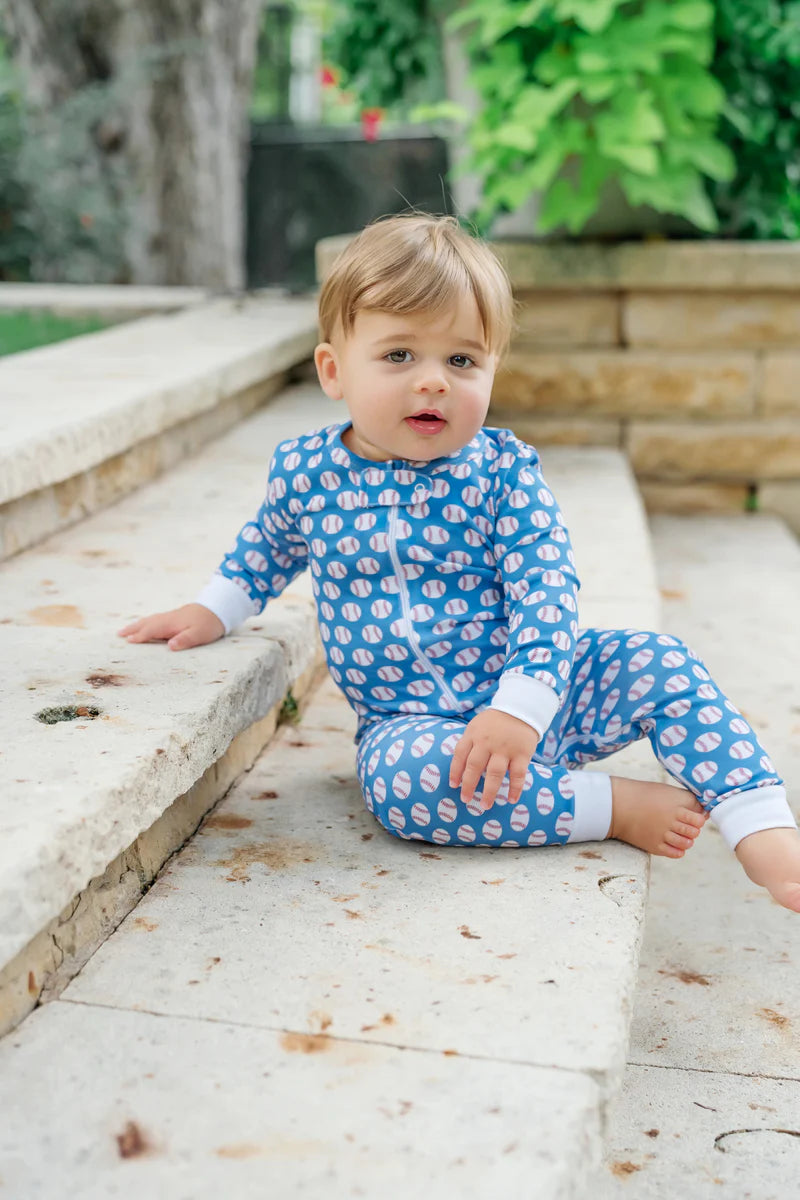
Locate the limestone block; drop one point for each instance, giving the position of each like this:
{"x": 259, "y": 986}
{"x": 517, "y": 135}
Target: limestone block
{"x": 122, "y": 385}
{"x": 32, "y": 517}
{"x": 622, "y": 383}
{"x": 43, "y": 968}
{"x": 693, "y": 497}
{"x": 567, "y": 319}
{"x": 652, "y": 266}
{"x": 782, "y": 498}
{"x": 780, "y": 387}
{"x": 122, "y": 300}
{"x": 712, "y": 319}
{"x": 743, "y": 451}
{"x": 100, "y": 1104}
{"x": 558, "y": 431}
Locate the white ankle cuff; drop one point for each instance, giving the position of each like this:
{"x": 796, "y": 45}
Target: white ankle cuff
{"x": 751, "y": 812}
{"x": 592, "y": 819}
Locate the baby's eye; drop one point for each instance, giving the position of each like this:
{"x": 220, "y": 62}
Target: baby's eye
{"x": 399, "y": 356}
{"x": 461, "y": 361}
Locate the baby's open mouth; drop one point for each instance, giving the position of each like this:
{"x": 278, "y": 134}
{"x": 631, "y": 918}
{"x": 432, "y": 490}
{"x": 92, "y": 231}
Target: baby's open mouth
{"x": 427, "y": 421}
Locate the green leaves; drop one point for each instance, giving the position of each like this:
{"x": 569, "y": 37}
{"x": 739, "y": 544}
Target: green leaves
{"x": 600, "y": 89}
{"x": 690, "y": 107}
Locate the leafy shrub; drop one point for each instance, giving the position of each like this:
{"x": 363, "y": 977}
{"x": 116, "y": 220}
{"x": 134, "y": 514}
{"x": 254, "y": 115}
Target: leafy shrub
{"x": 62, "y": 211}
{"x": 388, "y": 50}
{"x": 576, "y": 93}
{"x": 757, "y": 61}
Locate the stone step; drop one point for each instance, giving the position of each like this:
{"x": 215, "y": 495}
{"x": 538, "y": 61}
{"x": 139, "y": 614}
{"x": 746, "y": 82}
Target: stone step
{"x": 85, "y": 421}
{"x": 239, "y": 911}
{"x": 713, "y": 1064}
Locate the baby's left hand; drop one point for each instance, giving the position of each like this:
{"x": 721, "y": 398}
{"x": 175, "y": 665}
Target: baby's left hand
{"x": 492, "y": 745}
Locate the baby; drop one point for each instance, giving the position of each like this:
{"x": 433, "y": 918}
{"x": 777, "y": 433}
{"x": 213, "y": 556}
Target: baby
{"x": 446, "y": 591}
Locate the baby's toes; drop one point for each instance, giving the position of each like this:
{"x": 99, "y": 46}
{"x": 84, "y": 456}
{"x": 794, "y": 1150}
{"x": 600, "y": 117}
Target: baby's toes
{"x": 686, "y": 830}
{"x": 677, "y": 840}
{"x": 692, "y": 816}
{"x": 787, "y": 894}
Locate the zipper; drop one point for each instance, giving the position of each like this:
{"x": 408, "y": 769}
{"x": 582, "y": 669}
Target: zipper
{"x": 419, "y": 653}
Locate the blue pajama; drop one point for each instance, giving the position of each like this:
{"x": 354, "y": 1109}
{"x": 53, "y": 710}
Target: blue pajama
{"x": 626, "y": 685}
{"x": 448, "y": 586}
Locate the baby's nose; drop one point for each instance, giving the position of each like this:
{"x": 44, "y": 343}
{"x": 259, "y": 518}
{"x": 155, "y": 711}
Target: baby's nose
{"x": 431, "y": 381}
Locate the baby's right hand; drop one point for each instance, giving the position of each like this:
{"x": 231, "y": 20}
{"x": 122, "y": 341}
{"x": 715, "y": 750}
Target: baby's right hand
{"x": 181, "y": 628}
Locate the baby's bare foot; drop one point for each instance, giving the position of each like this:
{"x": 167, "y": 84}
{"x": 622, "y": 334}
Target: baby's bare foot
{"x": 656, "y": 817}
{"x": 771, "y": 858}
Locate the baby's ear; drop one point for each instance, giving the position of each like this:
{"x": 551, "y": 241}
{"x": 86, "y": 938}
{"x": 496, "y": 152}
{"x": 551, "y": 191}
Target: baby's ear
{"x": 328, "y": 370}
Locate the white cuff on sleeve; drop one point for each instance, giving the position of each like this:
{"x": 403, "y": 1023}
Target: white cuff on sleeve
{"x": 227, "y": 601}
{"x": 751, "y": 812}
{"x": 528, "y": 699}
{"x": 593, "y": 806}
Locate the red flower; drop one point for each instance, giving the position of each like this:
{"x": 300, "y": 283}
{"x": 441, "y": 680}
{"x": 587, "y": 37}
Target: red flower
{"x": 328, "y": 77}
{"x": 370, "y": 122}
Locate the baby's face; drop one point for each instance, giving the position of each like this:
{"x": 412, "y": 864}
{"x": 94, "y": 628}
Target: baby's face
{"x": 417, "y": 387}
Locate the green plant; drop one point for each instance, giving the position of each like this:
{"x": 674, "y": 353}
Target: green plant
{"x": 757, "y": 61}
{"x": 576, "y": 93}
{"x": 61, "y": 202}
{"x": 388, "y": 50}
{"x": 17, "y": 239}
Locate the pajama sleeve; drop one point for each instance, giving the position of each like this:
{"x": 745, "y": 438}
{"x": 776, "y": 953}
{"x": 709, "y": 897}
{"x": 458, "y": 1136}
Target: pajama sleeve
{"x": 535, "y": 559}
{"x": 269, "y": 553}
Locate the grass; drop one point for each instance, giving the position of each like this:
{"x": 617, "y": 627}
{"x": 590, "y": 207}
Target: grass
{"x": 24, "y": 330}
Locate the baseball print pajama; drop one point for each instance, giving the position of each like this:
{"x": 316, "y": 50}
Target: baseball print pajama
{"x": 625, "y": 685}
{"x": 448, "y": 586}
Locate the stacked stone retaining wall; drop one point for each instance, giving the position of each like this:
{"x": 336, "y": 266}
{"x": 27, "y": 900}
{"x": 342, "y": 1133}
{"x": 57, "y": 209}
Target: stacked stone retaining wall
{"x": 684, "y": 354}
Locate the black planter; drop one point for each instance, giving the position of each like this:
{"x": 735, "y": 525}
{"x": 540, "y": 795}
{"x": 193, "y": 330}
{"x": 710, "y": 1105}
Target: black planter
{"x": 306, "y": 183}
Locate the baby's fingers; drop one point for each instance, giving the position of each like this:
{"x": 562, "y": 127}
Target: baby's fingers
{"x": 150, "y": 629}
{"x": 494, "y": 776}
{"x": 131, "y": 628}
{"x": 460, "y": 756}
{"x": 192, "y": 636}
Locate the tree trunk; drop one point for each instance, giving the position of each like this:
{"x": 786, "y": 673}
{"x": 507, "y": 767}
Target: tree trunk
{"x": 181, "y": 72}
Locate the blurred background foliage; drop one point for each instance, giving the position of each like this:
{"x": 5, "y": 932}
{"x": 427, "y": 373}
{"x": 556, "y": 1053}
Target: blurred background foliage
{"x": 689, "y": 107}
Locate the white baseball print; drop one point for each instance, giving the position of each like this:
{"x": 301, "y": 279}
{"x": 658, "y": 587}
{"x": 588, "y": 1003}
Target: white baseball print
{"x": 447, "y": 810}
{"x": 430, "y": 778}
{"x": 401, "y": 785}
{"x": 519, "y": 818}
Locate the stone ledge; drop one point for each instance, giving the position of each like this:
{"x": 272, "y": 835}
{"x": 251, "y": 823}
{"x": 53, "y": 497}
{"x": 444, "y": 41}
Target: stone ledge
{"x": 46, "y": 964}
{"x": 76, "y": 794}
{"x": 92, "y": 299}
{"x": 671, "y": 265}
{"x": 75, "y": 404}
{"x": 652, "y": 266}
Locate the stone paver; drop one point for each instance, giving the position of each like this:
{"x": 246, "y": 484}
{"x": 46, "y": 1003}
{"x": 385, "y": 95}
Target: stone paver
{"x": 303, "y": 898}
{"x": 74, "y": 795}
{"x": 192, "y": 1110}
{"x": 116, "y": 387}
{"x": 714, "y": 1041}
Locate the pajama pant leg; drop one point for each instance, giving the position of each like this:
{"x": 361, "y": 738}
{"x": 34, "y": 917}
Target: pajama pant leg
{"x": 625, "y": 685}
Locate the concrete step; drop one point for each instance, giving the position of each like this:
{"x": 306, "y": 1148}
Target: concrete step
{"x": 298, "y": 964}
{"x": 85, "y": 421}
{"x": 711, "y": 1093}
{"x": 77, "y": 794}
{"x": 117, "y": 302}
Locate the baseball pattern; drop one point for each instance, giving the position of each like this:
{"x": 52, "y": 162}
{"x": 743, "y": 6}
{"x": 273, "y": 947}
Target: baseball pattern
{"x": 431, "y": 580}
{"x": 701, "y": 739}
{"x": 417, "y": 567}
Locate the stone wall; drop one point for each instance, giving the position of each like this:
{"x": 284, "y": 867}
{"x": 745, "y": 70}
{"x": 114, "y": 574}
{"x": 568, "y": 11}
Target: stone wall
{"x": 685, "y": 354}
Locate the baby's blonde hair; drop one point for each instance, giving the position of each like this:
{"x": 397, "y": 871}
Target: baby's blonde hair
{"x": 412, "y": 264}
